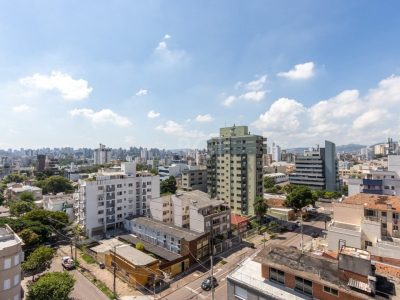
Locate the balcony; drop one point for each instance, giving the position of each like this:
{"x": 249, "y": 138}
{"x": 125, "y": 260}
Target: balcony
{"x": 372, "y": 182}
{"x": 373, "y": 191}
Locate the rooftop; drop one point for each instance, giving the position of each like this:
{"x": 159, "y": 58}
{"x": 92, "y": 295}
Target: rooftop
{"x": 377, "y": 202}
{"x": 8, "y": 238}
{"x": 157, "y": 250}
{"x": 237, "y": 219}
{"x": 275, "y": 202}
{"x": 186, "y": 234}
{"x": 136, "y": 257}
{"x": 346, "y": 226}
{"x": 198, "y": 199}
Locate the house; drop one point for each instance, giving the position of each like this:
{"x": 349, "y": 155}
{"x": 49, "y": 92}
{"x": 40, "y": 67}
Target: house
{"x": 60, "y": 202}
{"x": 367, "y": 221}
{"x": 14, "y": 190}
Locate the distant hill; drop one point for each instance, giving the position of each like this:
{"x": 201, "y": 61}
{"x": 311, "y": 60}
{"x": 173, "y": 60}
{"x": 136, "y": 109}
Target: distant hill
{"x": 350, "y": 148}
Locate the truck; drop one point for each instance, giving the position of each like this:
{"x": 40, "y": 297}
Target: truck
{"x": 67, "y": 263}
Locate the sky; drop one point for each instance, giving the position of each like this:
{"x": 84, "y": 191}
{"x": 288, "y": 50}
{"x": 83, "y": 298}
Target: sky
{"x": 169, "y": 74}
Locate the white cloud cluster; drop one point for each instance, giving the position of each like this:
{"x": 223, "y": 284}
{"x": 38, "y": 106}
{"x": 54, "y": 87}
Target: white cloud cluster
{"x": 172, "y": 128}
{"x": 152, "y": 114}
{"x": 21, "y": 108}
{"x": 70, "y": 88}
{"x": 300, "y": 71}
{"x": 101, "y": 116}
{"x": 142, "y": 92}
{"x": 252, "y": 91}
{"x": 344, "y": 118}
{"x": 204, "y": 118}
{"x": 170, "y": 56}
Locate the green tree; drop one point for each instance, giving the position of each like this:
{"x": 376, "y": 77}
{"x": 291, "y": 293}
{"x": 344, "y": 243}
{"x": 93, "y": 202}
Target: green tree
{"x": 27, "y": 196}
{"x": 38, "y": 260}
{"x": 168, "y": 185}
{"x": 139, "y": 246}
{"x": 29, "y": 237}
{"x": 1, "y": 198}
{"x": 54, "y": 218}
{"x": 18, "y": 208}
{"x": 345, "y": 190}
{"x": 14, "y": 177}
{"x": 51, "y": 286}
{"x": 260, "y": 208}
{"x": 55, "y": 184}
{"x": 269, "y": 182}
{"x": 299, "y": 197}
{"x": 40, "y": 176}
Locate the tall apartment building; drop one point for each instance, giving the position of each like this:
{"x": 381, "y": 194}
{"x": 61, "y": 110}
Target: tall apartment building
{"x": 378, "y": 182}
{"x": 194, "y": 180}
{"x": 276, "y": 152}
{"x": 41, "y": 162}
{"x": 369, "y": 222}
{"x": 108, "y": 197}
{"x": 11, "y": 256}
{"x": 234, "y": 168}
{"x": 102, "y": 155}
{"x": 317, "y": 168}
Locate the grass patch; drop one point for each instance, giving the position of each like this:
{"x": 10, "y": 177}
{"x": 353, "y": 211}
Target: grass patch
{"x": 223, "y": 262}
{"x": 166, "y": 194}
{"x": 102, "y": 287}
{"x": 88, "y": 259}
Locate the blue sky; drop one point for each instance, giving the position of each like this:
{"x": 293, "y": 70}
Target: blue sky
{"x": 171, "y": 73}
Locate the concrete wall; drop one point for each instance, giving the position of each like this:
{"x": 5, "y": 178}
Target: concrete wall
{"x": 371, "y": 231}
{"x": 352, "y": 239}
{"x": 348, "y": 213}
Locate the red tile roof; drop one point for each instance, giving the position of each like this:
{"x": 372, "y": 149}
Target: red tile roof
{"x": 238, "y": 219}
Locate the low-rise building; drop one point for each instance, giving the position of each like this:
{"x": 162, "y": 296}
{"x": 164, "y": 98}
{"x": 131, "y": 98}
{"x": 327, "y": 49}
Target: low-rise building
{"x": 14, "y": 190}
{"x": 278, "y": 177}
{"x": 135, "y": 266}
{"x": 367, "y": 221}
{"x": 60, "y": 202}
{"x": 11, "y": 256}
{"x": 190, "y": 244}
{"x": 286, "y": 273}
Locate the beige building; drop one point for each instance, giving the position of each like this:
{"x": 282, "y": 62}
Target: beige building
{"x": 194, "y": 180}
{"x": 14, "y": 190}
{"x": 369, "y": 222}
{"x": 11, "y": 256}
{"x": 234, "y": 168}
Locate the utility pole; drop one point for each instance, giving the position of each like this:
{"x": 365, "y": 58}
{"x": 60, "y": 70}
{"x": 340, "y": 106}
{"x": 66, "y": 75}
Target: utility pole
{"x": 115, "y": 274}
{"x": 212, "y": 263}
{"x": 301, "y": 217}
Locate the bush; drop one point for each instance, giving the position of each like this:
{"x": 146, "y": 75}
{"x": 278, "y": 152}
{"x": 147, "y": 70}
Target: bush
{"x": 139, "y": 246}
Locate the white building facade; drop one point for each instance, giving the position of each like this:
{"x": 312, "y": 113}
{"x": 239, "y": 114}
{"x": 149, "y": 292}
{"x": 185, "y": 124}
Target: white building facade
{"x": 102, "y": 155}
{"x": 108, "y": 197}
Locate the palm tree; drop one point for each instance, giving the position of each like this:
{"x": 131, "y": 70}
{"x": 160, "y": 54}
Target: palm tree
{"x": 260, "y": 208}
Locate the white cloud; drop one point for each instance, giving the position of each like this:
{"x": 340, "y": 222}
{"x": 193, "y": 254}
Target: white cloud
{"x": 204, "y": 118}
{"x": 152, "y": 114}
{"x": 21, "y": 108}
{"x": 345, "y": 118}
{"x": 70, "y": 89}
{"x": 229, "y": 101}
{"x": 142, "y": 92}
{"x": 102, "y": 116}
{"x": 300, "y": 71}
{"x": 257, "y": 84}
{"x": 252, "y": 91}
{"x": 170, "y": 56}
{"x": 254, "y": 96}
{"x": 129, "y": 140}
{"x": 173, "y": 128}
{"x": 283, "y": 115}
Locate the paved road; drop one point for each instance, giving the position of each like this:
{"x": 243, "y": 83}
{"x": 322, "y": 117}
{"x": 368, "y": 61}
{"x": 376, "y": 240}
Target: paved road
{"x": 192, "y": 290}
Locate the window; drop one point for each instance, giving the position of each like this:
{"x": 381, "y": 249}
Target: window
{"x": 384, "y": 214}
{"x": 16, "y": 259}
{"x": 303, "y": 285}
{"x": 331, "y": 291}
{"x": 277, "y": 275}
{"x": 16, "y": 279}
{"x": 6, "y": 284}
{"x": 7, "y": 263}
{"x": 368, "y": 244}
{"x": 240, "y": 293}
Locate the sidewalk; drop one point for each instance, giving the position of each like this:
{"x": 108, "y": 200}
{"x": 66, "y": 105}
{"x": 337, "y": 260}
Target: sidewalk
{"x": 103, "y": 275}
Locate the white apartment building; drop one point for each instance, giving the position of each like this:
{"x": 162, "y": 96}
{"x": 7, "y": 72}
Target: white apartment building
{"x": 110, "y": 196}
{"x": 378, "y": 182}
{"x": 369, "y": 222}
{"x": 11, "y": 256}
{"x": 193, "y": 210}
{"x": 102, "y": 155}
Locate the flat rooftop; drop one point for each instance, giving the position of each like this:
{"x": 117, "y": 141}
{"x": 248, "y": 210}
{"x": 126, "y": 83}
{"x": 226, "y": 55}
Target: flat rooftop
{"x": 136, "y": 257}
{"x": 347, "y": 226}
{"x": 170, "y": 229}
{"x": 8, "y": 238}
{"x": 198, "y": 199}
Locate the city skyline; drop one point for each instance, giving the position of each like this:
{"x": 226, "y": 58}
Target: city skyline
{"x": 168, "y": 75}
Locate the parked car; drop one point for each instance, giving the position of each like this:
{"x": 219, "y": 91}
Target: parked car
{"x": 67, "y": 263}
{"x": 102, "y": 265}
{"x": 315, "y": 234}
{"x": 206, "y": 285}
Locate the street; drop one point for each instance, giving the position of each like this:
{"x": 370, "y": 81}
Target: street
{"x": 190, "y": 286}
